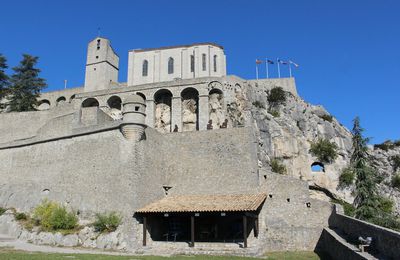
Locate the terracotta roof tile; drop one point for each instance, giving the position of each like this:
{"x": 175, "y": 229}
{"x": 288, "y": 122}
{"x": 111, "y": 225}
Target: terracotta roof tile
{"x": 205, "y": 203}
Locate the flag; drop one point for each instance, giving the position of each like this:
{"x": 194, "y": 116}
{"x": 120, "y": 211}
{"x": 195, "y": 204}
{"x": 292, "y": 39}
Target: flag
{"x": 259, "y": 61}
{"x": 283, "y": 62}
{"x": 294, "y": 64}
{"x": 270, "y": 62}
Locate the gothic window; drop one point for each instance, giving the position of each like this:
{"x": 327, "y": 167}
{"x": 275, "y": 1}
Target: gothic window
{"x": 203, "y": 60}
{"x": 170, "y": 65}
{"x": 145, "y": 68}
{"x": 215, "y": 63}
{"x": 98, "y": 44}
{"x": 191, "y": 63}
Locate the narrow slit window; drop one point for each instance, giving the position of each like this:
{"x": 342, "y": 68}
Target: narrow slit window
{"x": 215, "y": 63}
{"x": 145, "y": 68}
{"x": 203, "y": 61}
{"x": 170, "y": 65}
{"x": 191, "y": 63}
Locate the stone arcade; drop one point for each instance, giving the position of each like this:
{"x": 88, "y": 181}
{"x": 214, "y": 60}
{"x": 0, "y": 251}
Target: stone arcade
{"x": 175, "y": 150}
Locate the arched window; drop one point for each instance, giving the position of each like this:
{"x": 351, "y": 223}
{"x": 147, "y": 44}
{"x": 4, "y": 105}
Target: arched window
{"x": 114, "y": 102}
{"x": 61, "y": 100}
{"x": 191, "y": 63}
{"x": 317, "y": 167}
{"x": 170, "y": 65}
{"x": 90, "y": 102}
{"x": 215, "y": 63}
{"x": 44, "y": 104}
{"x": 203, "y": 61}
{"x": 145, "y": 68}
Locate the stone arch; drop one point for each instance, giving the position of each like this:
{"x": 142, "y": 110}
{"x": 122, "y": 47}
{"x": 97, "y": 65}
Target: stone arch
{"x": 114, "y": 102}
{"x": 142, "y": 95}
{"x": 61, "y": 100}
{"x": 72, "y": 98}
{"x": 317, "y": 167}
{"x": 163, "y": 110}
{"x": 90, "y": 102}
{"x": 190, "y": 109}
{"x": 43, "y": 105}
{"x": 216, "y": 108}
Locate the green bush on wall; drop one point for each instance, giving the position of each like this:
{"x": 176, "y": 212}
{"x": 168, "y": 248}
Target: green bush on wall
{"x": 107, "y": 222}
{"x": 324, "y": 150}
{"x": 51, "y": 216}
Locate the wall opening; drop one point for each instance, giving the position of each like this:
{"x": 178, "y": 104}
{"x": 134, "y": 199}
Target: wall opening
{"x": 163, "y": 110}
{"x": 90, "y": 102}
{"x": 216, "y": 108}
{"x": 145, "y": 68}
{"x": 190, "y": 112}
{"x": 317, "y": 167}
{"x": 114, "y": 102}
{"x": 72, "y": 98}
{"x": 170, "y": 65}
{"x": 61, "y": 100}
{"x": 142, "y": 95}
{"x": 44, "y": 104}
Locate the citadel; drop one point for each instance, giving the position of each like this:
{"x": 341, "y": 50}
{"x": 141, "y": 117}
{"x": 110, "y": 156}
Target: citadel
{"x": 182, "y": 151}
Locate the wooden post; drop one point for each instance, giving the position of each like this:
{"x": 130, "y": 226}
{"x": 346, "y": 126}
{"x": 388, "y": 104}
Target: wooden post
{"x": 256, "y": 227}
{"x": 144, "y": 230}
{"x": 191, "y": 231}
{"x": 244, "y": 231}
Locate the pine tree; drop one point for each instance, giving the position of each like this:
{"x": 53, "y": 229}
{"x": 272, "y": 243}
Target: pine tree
{"x": 25, "y": 85}
{"x": 366, "y": 197}
{"x": 3, "y": 77}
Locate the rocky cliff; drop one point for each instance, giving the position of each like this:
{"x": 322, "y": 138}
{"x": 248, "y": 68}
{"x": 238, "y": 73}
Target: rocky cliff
{"x": 286, "y": 135}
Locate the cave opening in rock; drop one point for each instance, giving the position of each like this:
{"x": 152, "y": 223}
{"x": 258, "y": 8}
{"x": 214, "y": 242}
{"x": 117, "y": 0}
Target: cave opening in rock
{"x": 317, "y": 167}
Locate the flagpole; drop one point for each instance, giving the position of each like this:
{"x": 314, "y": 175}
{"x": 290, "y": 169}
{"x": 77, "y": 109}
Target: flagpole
{"x": 290, "y": 70}
{"x": 279, "y": 69}
{"x": 266, "y": 66}
{"x": 256, "y": 70}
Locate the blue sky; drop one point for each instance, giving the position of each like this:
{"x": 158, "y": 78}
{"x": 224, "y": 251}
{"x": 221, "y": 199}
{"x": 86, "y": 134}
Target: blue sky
{"x": 348, "y": 51}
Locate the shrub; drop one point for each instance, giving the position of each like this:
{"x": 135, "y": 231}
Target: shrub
{"x": 51, "y": 216}
{"x": 277, "y": 96}
{"x": 324, "y": 150}
{"x": 20, "y": 216}
{"x": 349, "y": 209}
{"x": 277, "y": 166}
{"x": 396, "y": 162}
{"x": 385, "y": 204}
{"x": 274, "y": 113}
{"x": 396, "y": 181}
{"x": 2, "y": 211}
{"x": 327, "y": 117}
{"x": 346, "y": 178}
{"x": 258, "y": 104}
{"x": 107, "y": 222}
{"x": 385, "y": 145}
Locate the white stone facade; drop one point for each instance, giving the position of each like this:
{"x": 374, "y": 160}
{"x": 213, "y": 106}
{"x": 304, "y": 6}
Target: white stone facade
{"x": 179, "y": 62}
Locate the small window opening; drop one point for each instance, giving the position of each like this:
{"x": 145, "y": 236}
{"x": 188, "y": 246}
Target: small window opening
{"x": 97, "y": 57}
{"x": 215, "y": 63}
{"x": 308, "y": 204}
{"x": 145, "y": 68}
{"x": 288, "y": 199}
{"x": 136, "y": 108}
{"x": 170, "y": 65}
{"x": 265, "y": 176}
{"x": 270, "y": 196}
{"x": 94, "y": 69}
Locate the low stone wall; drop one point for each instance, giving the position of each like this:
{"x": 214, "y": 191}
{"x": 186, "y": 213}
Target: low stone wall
{"x": 337, "y": 248}
{"x": 385, "y": 241}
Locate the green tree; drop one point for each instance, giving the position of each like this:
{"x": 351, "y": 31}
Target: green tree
{"x": 276, "y": 97}
{"x": 366, "y": 198}
{"x": 25, "y": 85}
{"x": 324, "y": 150}
{"x": 4, "y": 80}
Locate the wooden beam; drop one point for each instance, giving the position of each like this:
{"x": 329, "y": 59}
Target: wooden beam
{"x": 256, "y": 227}
{"x": 144, "y": 231}
{"x": 244, "y": 231}
{"x": 191, "y": 231}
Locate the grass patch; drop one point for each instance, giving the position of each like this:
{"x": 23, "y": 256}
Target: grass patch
{"x": 277, "y": 166}
{"x": 295, "y": 255}
{"x": 20, "y": 255}
{"x": 2, "y": 211}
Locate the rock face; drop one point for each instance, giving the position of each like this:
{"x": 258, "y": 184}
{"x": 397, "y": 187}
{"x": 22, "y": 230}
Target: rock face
{"x": 189, "y": 114}
{"x": 216, "y": 109}
{"x": 163, "y": 118}
{"x": 288, "y": 137}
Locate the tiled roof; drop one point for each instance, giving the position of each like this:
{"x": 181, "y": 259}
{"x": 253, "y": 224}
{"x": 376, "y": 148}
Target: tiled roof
{"x": 205, "y": 203}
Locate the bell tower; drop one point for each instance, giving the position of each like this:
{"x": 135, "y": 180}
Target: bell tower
{"x": 101, "y": 65}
